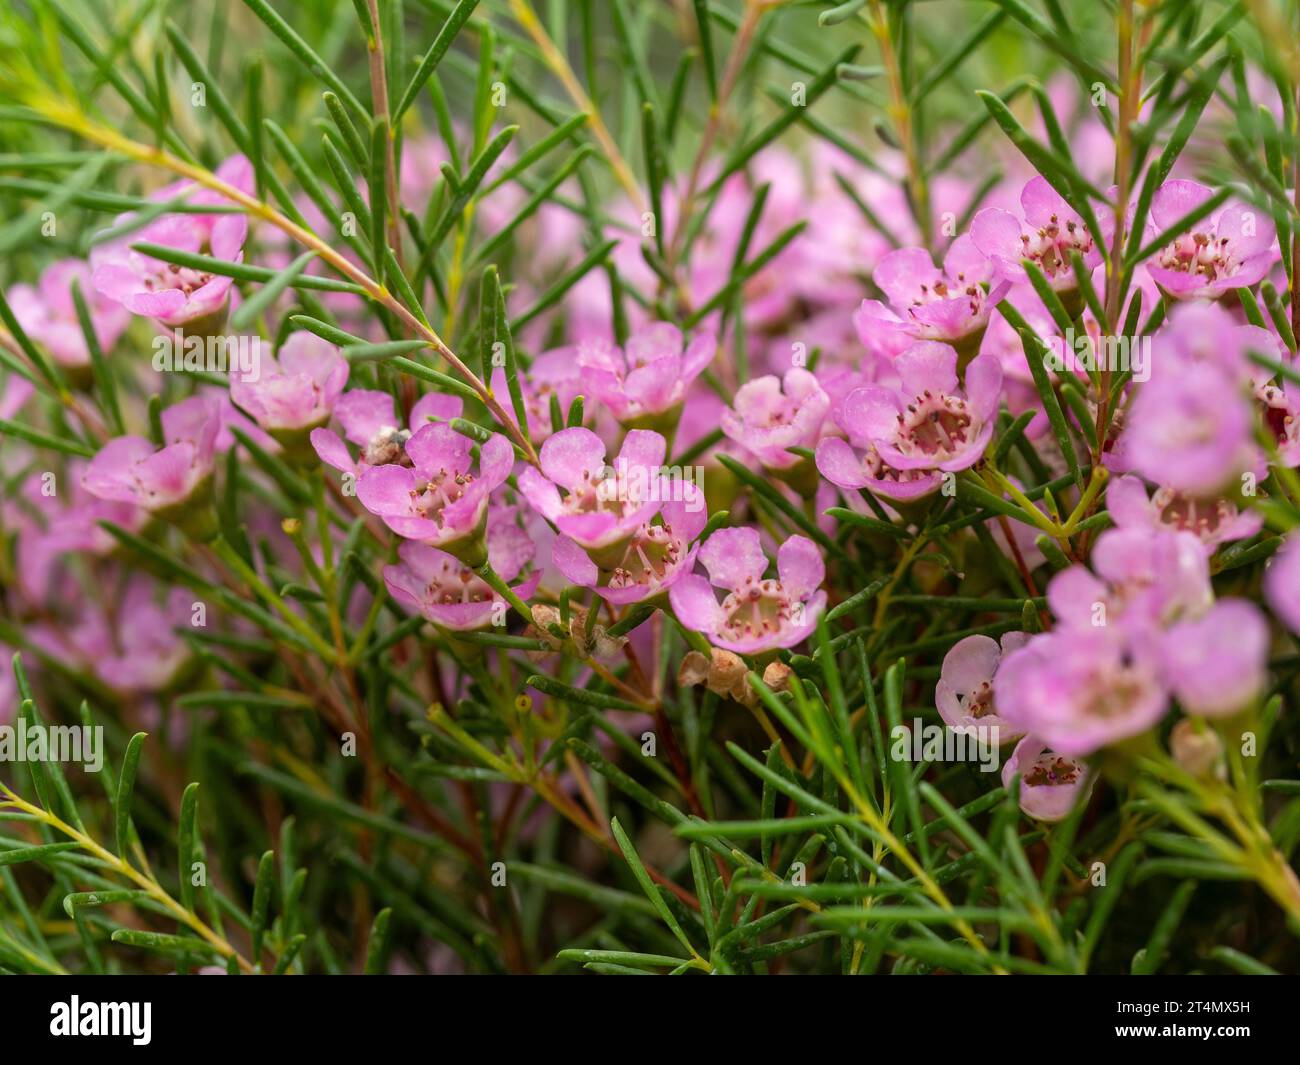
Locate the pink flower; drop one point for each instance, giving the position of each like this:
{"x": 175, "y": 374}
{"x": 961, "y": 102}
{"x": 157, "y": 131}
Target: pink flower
{"x": 757, "y": 615}
{"x": 70, "y": 522}
{"x": 1282, "y": 583}
{"x": 146, "y": 655}
{"x": 175, "y": 294}
{"x": 1190, "y": 429}
{"x": 1081, "y": 689}
{"x": 1050, "y": 783}
{"x": 1281, "y": 409}
{"x": 298, "y": 389}
{"x": 1232, "y": 248}
{"x": 169, "y": 481}
{"x": 1051, "y": 231}
{"x": 1217, "y": 664}
{"x": 927, "y": 303}
{"x": 770, "y": 416}
{"x": 439, "y": 499}
{"x": 370, "y": 421}
{"x": 444, "y": 590}
{"x": 141, "y": 655}
{"x": 964, "y": 693}
{"x": 912, "y": 435}
{"x": 48, "y": 315}
{"x": 1212, "y": 521}
{"x": 602, "y": 506}
{"x": 648, "y": 378}
{"x": 1143, "y": 579}
{"x": 653, "y": 560}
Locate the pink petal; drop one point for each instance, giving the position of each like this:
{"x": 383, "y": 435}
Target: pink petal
{"x": 732, "y": 555}
{"x": 573, "y": 456}
{"x": 799, "y": 565}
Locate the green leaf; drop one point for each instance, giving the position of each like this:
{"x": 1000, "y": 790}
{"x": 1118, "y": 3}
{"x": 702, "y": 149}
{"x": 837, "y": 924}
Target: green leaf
{"x": 251, "y": 309}
{"x": 377, "y": 946}
{"x": 647, "y": 885}
{"x": 305, "y": 53}
{"x": 126, "y": 791}
{"x": 446, "y": 35}
{"x": 262, "y": 900}
{"x": 185, "y": 843}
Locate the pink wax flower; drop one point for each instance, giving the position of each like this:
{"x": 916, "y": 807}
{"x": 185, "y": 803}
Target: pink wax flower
{"x": 1217, "y": 664}
{"x": 1140, "y": 578}
{"x": 771, "y": 415}
{"x": 922, "y": 429}
{"x": 449, "y": 593}
{"x": 133, "y": 650}
{"x": 1191, "y": 429}
{"x": 370, "y": 421}
{"x": 1212, "y": 521}
{"x": 1207, "y": 334}
{"x": 1280, "y": 404}
{"x": 1282, "y": 583}
{"x": 1233, "y": 248}
{"x": 1081, "y": 689}
{"x": 653, "y": 560}
{"x": 176, "y": 295}
{"x": 68, "y": 522}
{"x": 756, "y": 615}
{"x": 299, "y": 387}
{"x": 602, "y": 506}
{"x": 648, "y": 378}
{"x": 964, "y": 693}
{"x": 1051, "y": 230}
{"x": 439, "y": 499}
{"x": 49, "y": 316}
{"x": 1050, "y": 783}
{"x": 927, "y": 303}
{"x": 171, "y": 482}
{"x": 146, "y": 654}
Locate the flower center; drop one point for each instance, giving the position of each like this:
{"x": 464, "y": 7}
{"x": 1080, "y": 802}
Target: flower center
{"x": 1050, "y": 247}
{"x": 937, "y": 427}
{"x": 758, "y": 607}
{"x": 951, "y": 289}
{"x": 170, "y": 275}
{"x": 441, "y": 490}
{"x": 1051, "y": 771}
{"x": 608, "y": 491}
{"x": 652, "y": 554}
{"x": 455, "y": 584}
{"x": 1278, "y": 417}
{"x": 1199, "y": 253}
{"x": 1199, "y": 516}
{"x": 1113, "y": 695}
{"x": 878, "y": 470}
{"x": 979, "y": 703}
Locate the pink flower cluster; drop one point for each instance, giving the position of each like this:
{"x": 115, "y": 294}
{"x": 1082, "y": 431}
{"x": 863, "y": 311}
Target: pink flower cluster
{"x": 906, "y": 373}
